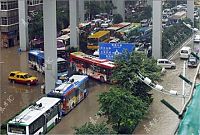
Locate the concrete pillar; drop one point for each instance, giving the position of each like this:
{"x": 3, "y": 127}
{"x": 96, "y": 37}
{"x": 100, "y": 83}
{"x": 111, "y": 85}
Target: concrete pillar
{"x": 50, "y": 44}
{"x": 74, "y": 36}
{"x": 81, "y": 11}
{"x": 120, "y": 4}
{"x": 190, "y": 9}
{"x": 157, "y": 29}
{"x": 23, "y": 24}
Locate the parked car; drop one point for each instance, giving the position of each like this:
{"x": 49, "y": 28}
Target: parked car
{"x": 21, "y": 77}
{"x": 192, "y": 61}
{"x": 166, "y": 63}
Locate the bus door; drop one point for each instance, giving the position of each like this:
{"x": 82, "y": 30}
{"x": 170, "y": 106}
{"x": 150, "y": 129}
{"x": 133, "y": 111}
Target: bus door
{"x": 45, "y": 123}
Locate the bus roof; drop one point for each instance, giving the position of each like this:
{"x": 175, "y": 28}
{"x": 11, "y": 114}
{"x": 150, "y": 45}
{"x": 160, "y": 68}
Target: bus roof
{"x": 41, "y": 54}
{"x": 37, "y": 53}
{"x": 99, "y": 34}
{"x": 31, "y": 113}
{"x": 93, "y": 60}
{"x": 64, "y": 37}
{"x": 65, "y": 87}
{"x": 122, "y": 24}
{"x": 130, "y": 27}
{"x": 113, "y": 28}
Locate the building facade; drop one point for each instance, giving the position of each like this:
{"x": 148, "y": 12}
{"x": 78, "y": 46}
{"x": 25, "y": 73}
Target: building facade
{"x": 9, "y": 20}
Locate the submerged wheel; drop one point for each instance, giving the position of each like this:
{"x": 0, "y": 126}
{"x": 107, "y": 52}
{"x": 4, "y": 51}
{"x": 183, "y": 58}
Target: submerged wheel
{"x": 28, "y": 83}
{"x": 102, "y": 79}
{"x": 80, "y": 71}
{"x": 12, "y": 81}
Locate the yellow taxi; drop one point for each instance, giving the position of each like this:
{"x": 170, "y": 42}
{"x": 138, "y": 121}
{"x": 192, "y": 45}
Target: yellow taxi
{"x": 21, "y": 77}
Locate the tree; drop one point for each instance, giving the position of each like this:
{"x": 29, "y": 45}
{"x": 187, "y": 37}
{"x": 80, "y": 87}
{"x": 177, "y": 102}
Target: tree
{"x": 125, "y": 73}
{"x": 117, "y": 18}
{"x": 122, "y": 110}
{"x": 36, "y": 26}
{"x": 89, "y": 128}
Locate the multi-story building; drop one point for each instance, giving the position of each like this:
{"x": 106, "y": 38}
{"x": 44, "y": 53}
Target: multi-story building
{"x": 9, "y": 20}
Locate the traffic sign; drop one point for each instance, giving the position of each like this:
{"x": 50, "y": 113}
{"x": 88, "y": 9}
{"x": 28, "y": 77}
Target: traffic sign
{"x": 110, "y": 50}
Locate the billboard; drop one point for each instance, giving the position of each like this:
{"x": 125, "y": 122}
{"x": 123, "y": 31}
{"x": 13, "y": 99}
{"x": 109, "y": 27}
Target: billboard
{"x": 110, "y": 50}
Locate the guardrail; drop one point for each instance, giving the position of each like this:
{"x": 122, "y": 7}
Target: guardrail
{"x": 183, "y": 110}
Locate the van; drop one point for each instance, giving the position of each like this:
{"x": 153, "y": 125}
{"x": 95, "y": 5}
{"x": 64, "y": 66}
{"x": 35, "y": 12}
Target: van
{"x": 115, "y": 40}
{"x": 165, "y": 63}
{"x": 185, "y": 52}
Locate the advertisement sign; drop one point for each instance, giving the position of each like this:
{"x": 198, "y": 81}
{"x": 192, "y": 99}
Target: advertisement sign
{"x": 110, "y": 50}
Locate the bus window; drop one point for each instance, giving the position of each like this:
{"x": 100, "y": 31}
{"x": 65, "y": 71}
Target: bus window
{"x": 19, "y": 129}
{"x": 62, "y": 66}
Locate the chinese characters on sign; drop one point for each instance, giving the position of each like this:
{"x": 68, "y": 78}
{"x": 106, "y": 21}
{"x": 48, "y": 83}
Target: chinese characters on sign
{"x": 110, "y": 50}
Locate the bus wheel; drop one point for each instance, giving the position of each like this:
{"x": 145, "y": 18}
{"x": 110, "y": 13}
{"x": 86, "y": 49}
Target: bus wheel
{"x": 102, "y": 79}
{"x": 11, "y": 81}
{"x": 80, "y": 71}
{"x": 56, "y": 121}
{"x": 28, "y": 83}
{"x": 73, "y": 105}
{"x": 35, "y": 68}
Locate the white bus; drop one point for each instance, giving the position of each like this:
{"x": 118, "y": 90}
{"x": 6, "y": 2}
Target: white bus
{"x": 38, "y": 118}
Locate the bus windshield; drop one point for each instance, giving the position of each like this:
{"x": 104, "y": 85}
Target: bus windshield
{"x": 62, "y": 66}
{"x": 19, "y": 129}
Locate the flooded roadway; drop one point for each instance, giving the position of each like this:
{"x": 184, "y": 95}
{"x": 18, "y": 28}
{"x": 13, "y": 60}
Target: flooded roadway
{"x": 21, "y": 95}
{"x": 160, "y": 119}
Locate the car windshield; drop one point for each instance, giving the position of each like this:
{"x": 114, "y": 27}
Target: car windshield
{"x": 184, "y": 51}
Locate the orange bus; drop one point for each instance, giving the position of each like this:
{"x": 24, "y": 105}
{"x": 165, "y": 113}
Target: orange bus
{"x": 100, "y": 69}
{"x": 96, "y": 38}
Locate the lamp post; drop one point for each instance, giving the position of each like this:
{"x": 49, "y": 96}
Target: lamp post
{"x": 183, "y": 90}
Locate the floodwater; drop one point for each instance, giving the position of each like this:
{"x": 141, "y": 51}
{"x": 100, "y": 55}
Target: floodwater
{"x": 84, "y": 112}
{"x": 14, "y": 97}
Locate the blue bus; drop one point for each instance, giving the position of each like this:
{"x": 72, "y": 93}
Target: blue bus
{"x": 36, "y": 62}
{"x": 71, "y": 92}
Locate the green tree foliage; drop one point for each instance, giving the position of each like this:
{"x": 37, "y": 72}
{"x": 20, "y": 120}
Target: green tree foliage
{"x": 117, "y": 18}
{"x": 145, "y": 13}
{"x": 122, "y": 110}
{"x": 62, "y": 15}
{"x": 125, "y": 73}
{"x": 36, "y": 25}
{"x": 174, "y": 36}
{"x": 89, "y": 128}
{"x": 92, "y": 8}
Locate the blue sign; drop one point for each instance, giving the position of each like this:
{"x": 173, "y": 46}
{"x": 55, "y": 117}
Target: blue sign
{"x": 110, "y": 50}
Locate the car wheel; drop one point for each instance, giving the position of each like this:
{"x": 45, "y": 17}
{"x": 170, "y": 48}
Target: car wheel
{"x": 28, "y": 83}
{"x": 12, "y": 81}
{"x": 173, "y": 67}
{"x": 102, "y": 79}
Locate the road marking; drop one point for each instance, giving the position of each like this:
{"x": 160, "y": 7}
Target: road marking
{"x": 177, "y": 51}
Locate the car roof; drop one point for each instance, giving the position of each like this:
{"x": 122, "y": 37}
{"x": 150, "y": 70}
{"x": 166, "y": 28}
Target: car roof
{"x": 162, "y": 59}
{"x": 18, "y": 72}
{"x": 185, "y": 48}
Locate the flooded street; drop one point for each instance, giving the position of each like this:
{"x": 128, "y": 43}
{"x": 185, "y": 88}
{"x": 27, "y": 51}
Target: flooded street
{"x": 82, "y": 113}
{"x": 159, "y": 121}
{"x": 22, "y": 95}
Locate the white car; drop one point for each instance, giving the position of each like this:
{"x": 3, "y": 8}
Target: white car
{"x": 165, "y": 63}
{"x": 196, "y": 38}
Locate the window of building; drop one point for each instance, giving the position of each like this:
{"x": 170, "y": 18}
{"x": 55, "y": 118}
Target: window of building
{"x": 12, "y": 4}
{"x": 4, "y": 6}
{"x": 4, "y": 20}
